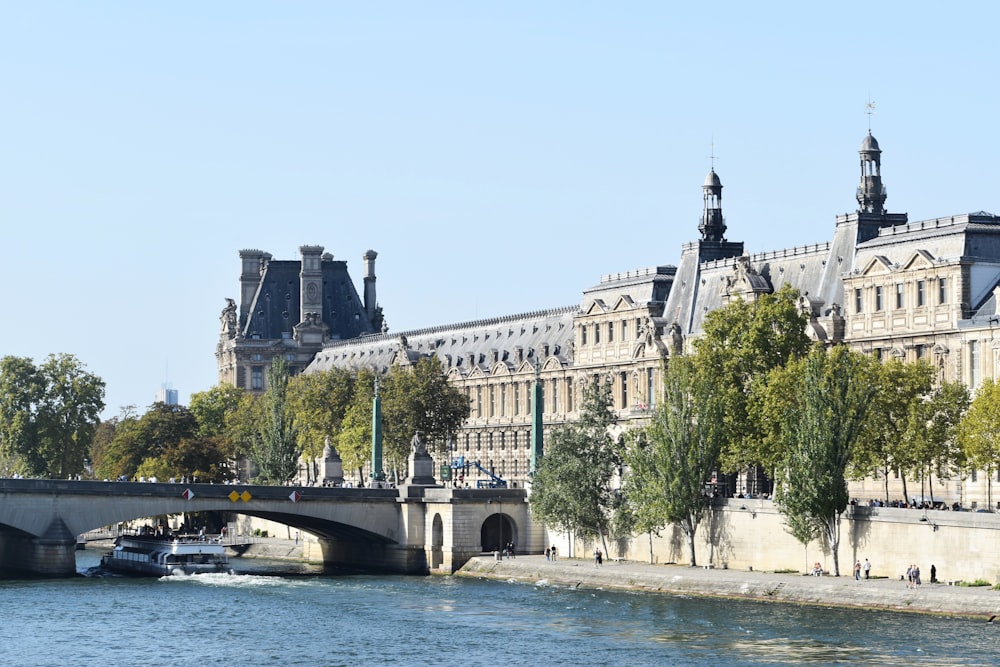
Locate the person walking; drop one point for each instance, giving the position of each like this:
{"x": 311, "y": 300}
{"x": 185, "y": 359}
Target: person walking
{"x": 857, "y": 570}
{"x": 867, "y": 567}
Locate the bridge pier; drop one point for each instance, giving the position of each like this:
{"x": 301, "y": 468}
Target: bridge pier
{"x": 52, "y": 554}
{"x": 395, "y": 558}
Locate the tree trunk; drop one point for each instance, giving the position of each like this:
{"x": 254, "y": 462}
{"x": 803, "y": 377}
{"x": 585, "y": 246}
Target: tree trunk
{"x": 886, "y": 475}
{"x": 906, "y": 494}
{"x": 689, "y": 530}
{"x": 833, "y": 542}
{"x": 989, "y": 488}
{"x": 650, "y": 547}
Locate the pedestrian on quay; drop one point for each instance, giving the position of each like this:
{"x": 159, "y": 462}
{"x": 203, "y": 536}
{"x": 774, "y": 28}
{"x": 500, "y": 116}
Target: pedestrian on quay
{"x": 547, "y": 552}
{"x": 867, "y": 568}
{"x": 553, "y": 552}
{"x": 598, "y": 557}
{"x": 857, "y": 570}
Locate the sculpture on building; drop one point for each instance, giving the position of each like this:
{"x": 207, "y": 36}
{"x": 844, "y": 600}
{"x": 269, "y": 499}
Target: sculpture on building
{"x": 676, "y": 340}
{"x": 228, "y": 318}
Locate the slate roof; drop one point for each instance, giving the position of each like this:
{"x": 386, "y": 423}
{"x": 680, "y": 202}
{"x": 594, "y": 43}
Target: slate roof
{"x": 275, "y": 308}
{"x": 466, "y": 346}
{"x": 642, "y": 286}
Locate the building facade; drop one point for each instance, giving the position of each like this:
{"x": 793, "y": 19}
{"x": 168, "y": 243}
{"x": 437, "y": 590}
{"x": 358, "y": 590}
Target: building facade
{"x": 880, "y": 283}
{"x": 290, "y": 309}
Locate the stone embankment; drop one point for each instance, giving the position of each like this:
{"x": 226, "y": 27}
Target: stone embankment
{"x": 844, "y": 591}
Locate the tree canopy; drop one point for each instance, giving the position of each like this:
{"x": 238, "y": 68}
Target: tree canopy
{"x": 669, "y": 466}
{"x": 275, "y": 446}
{"x": 979, "y": 433}
{"x": 571, "y": 489}
{"x": 831, "y": 397}
{"x": 742, "y": 342}
{"x": 48, "y": 415}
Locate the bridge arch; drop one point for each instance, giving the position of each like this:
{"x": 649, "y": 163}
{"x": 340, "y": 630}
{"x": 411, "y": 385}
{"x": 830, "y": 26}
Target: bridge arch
{"x": 497, "y": 530}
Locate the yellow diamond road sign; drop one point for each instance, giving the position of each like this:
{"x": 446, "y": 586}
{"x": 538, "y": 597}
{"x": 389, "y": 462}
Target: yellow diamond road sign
{"x": 234, "y": 496}
{"x": 245, "y": 496}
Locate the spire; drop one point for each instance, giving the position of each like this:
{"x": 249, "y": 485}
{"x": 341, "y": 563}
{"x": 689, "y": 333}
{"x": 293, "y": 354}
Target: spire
{"x": 713, "y": 225}
{"x": 871, "y": 193}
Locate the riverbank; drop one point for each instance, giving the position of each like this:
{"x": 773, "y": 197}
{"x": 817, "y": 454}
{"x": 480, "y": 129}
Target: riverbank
{"x": 827, "y": 591}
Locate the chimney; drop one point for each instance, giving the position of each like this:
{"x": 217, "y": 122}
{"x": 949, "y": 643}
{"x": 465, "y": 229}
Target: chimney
{"x": 311, "y": 281}
{"x": 252, "y": 263}
{"x": 370, "y": 302}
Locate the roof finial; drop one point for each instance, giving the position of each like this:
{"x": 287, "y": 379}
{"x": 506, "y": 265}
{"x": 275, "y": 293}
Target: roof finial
{"x": 870, "y": 109}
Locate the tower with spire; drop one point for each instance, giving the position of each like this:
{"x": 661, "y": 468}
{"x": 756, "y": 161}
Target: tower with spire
{"x": 871, "y": 192}
{"x": 871, "y": 195}
{"x": 713, "y": 225}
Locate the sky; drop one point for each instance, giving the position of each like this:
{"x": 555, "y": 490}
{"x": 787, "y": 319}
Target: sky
{"x": 499, "y": 156}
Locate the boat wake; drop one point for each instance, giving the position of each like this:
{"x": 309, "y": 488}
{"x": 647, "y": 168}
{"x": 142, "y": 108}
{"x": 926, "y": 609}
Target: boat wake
{"x": 234, "y": 580}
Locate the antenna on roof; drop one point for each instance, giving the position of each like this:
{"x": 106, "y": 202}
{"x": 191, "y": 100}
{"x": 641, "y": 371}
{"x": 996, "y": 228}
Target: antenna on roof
{"x": 712, "y": 156}
{"x": 870, "y": 109}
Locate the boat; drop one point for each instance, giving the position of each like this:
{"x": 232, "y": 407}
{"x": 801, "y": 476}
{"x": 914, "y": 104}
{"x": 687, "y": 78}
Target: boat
{"x": 160, "y": 556}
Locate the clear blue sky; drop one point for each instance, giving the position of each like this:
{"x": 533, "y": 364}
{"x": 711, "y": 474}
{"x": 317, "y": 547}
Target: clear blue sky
{"x": 500, "y": 157}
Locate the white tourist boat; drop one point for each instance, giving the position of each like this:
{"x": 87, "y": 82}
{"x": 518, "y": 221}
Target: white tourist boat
{"x": 165, "y": 556}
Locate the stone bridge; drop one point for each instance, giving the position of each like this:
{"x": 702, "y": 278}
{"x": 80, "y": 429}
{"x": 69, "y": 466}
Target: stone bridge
{"x": 411, "y": 529}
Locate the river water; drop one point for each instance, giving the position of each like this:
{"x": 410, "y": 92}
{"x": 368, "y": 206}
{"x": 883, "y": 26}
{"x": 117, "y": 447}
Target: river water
{"x": 269, "y": 615}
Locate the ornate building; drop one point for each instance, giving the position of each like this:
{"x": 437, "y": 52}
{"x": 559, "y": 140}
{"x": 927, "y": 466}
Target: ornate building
{"x": 882, "y": 284}
{"x": 291, "y": 309}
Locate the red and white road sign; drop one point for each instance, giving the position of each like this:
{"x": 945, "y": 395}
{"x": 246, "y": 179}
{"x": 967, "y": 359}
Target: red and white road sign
{"x": 188, "y": 494}
{"x": 294, "y": 496}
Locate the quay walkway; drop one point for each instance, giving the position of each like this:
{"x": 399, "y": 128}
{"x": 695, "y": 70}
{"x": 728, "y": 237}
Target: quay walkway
{"x": 829, "y": 591}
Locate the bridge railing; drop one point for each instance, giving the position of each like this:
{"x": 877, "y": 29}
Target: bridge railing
{"x": 198, "y": 490}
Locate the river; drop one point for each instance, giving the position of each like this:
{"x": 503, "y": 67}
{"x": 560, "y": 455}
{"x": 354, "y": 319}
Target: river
{"x": 271, "y": 615}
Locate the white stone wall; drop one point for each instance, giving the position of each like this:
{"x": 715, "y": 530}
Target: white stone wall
{"x": 962, "y": 545}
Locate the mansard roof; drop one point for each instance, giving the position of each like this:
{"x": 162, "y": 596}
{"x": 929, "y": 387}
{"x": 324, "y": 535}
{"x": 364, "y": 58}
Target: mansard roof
{"x": 467, "y": 347}
{"x": 648, "y": 286}
{"x": 965, "y": 236}
{"x": 275, "y": 308}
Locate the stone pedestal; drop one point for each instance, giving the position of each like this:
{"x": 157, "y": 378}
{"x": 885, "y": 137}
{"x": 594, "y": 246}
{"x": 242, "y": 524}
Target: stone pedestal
{"x": 331, "y": 471}
{"x": 421, "y": 469}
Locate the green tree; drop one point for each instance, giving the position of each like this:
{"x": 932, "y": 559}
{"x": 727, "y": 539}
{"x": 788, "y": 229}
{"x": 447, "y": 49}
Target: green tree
{"x": 148, "y": 445}
{"x": 212, "y": 408}
{"x": 48, "y": 414}
{"x": 832, "y": 397}
{"x": 354, "y": 441}
{"x": 571, "y": 489}
{"x": 418, "y": 398}
{"x": 275, "y": 449}
{"x": 931, "y": 431}
{"x": 979, "y": 433}
{"x": 741, "y": 344}
{"x": 669, "y": 468}
{"x": 900, "y": 389}
{"x": 318, "y": 402}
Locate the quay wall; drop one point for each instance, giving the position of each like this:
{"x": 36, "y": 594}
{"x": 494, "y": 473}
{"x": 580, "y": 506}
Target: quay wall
{"x": 745, "y": 534}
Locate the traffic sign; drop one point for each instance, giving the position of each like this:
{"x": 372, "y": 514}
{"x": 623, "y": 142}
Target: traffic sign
{"x": 188, "y": 494}
{"x": 294, "y": 496}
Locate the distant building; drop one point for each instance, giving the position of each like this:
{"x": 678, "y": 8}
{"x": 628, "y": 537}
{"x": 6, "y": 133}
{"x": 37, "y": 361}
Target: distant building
{"x": 166, "y": 395}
